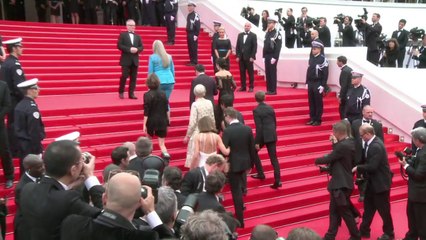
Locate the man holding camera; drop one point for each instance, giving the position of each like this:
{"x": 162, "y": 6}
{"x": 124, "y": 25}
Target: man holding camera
{"x": 302, "y": 28}
{"x": 253, "y": 17}
{"x": 324, "y": 32}
{"x": 416, "y": 171}
{"x": 341, "y": 184}
{"x": 348, "y": 36}
{"x": 401, "y": 35}
{"x": 420, "y": 54}
{"x": 372, "y": 34}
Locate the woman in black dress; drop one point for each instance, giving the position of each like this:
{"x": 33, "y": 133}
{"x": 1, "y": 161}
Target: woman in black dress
{"x": 75, "y": 18}
{"x": 155, "y": 108}
{"x": 391, "y": 53}
{"x": 222, "y": 47}
{"x": 224, "y": 79}
{"x": 55, "y": 12}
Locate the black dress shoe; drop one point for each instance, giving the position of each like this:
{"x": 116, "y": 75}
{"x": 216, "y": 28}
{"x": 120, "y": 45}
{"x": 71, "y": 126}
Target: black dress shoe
{"x": 133, "y": 97}
{"x": 250, "y": 89}
{"x": 191, "y": 64}
{"x": 121, "y": 96}
{"x": 242, "y": 89}
{"x": 258, "y": 176}
{"x": 271, "y": 93}
{"x": 386, "y": 237}
{"x": 316, "y": 123}
{"x": 276, "y": 185}
{"x": 365, "y": 235}
{"x": 309, "y": 123}
{"x": 9, "y": 184}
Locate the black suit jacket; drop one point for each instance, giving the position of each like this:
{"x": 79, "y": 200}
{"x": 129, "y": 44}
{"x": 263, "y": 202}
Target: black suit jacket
{"x": 356, "y": 124}
{"x": 402, "y": 39}
{"x": 417, "y": 177}
{"x": 208, "y": 201}
{"x": 5, "y": 101}
{"x": 208, "y": 82}
{"x": 345, "y": 81}
{"x": 246, "y": 50}
{"x": 45, "y": 205}
{"x": 193, "y": 181}
{"x": 420, "y": 123}
{"x": 124, "y": 44}
{"x": 324, "y": 35}
{"x": 341, "y": 161}
{"x": 254, "y": 19}
{"x": 20, "y": 225}
{"x": 240, "y": 139}
{"x": 377, "y": 167}
{"x": 371, "y": 36}
{"x": 266, "y": 124}
{"x": 348, "y": 36}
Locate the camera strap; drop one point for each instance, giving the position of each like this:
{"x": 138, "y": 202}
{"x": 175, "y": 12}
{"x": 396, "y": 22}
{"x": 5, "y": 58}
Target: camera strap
{"x": 113, "y": 220}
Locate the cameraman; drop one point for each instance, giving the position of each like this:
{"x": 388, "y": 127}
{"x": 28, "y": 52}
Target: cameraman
{"x": 253, "y": 17}
{"x": 324, "y": 32}
{"x": 420, "y": 54}
{"x": 289, "y": 29}
{"x": 416, "y": 171}
{"x": 372, "y": 34}
{"x": 348, "y": 36}
{"x": 341, "y": 183}
{"x": 391, "y": 53}
{"x": 420, "y": 123}
{"x": 303, "y": 29}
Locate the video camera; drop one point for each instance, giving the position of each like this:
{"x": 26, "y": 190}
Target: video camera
{"x": 187, "y": 210}
{"x": 245, "y": 12}
{"x": 278, "y": 12}
{"x": 325, "y": 169}
{"x": 416, "y": 33}
{"x": 313, "y": 22}
{"x": 382, "y": 42}
{"x": 339, "y": 18}
{"x": 358, "y": 21}
{"x": 406, "y": 154}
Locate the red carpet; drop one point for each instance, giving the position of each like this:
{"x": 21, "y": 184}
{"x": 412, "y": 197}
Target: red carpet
{"x": 78, "y": 71}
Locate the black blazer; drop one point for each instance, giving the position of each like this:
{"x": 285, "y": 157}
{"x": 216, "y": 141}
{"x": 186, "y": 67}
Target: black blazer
{"x": 248, "y": 49}
{"x": 356, "y": 124}
{"x": 420, "y": 123}
{"x": 416, "y": 177}
{"x": 254, "y": 19}
{"x": 45, "y": 205}
{"x": 345, "y": 81}
{"x": 266, "y": 124}
{"x": 208, "y": 201}
{"x": 289, "y": 26}
{"x": 20, "y": 225}
{"x": 124, "y": 44}
{"x": 5, "y": 101}
{"x": 324, "y": 35}
{"x": 341, "y": 161}
{"x": 208, "y": 82}
{"x": 371, "y": 36}
{"x": 348, "y": 36}
{"x": 377, "y": 167}
{"x": 240, "y": 139}
{"x": 193, "y": 181}
{"x": 402, "y": 39}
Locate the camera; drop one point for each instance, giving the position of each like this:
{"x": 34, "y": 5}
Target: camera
{"x": 382, "y": 42}
{"x": 278, "y": 12}
{"x": 245, "y": 12}
{"x": 186, "y": 211}
{"x": 313, "y": 22}
{"x": 86, "y": 157}
{"x": 325, "y": 169}
{"x": 358, "y": 22}
{"x": 407, "y": 153}
{"x": 416, "y": 33}
{"x": 144, "y": 192}
{"x": 339, "y": 18}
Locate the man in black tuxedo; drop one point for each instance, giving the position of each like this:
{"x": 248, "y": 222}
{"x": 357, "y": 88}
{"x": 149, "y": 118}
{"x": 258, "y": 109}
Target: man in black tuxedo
{"x": 130, "y": 45}
{"x": 210, "y": 199}
{"x": 301, "y": 26}
{"x": 266, "y": 133}
{"x": 420, "y": 123}
{"x": 345, "y": 81}
{"x": 208, "y": 82}
{"x": 348, "y": 36}
{"x": 246, "y": 54}
{"x": 122, "y": 198}
{"x": 45, "y": 205}
{"x": 379, "y": 179}
{"x": 401, "y": 35}
{"x": 340, "y": 161}
{"x": 416, "y": 171}
{"x": 40, "y": 6}
{"x": 194, "y": 180}
{"x": 90, "y": 8}
{"x": 5, "y": 154}
{"x": 324, "y": 32}
{"x": 34, "y": 170}
{"x": 240, "y": 139}
{"x": 289, "y": 28}
{"x": 372, "y": 34}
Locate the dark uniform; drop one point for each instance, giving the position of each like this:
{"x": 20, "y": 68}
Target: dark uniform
{"x": 29, "y": 129}
{"x": 357, "y": 98}
{"x": 5, "y": 155}
{"x": 193, "y": 30}
{"x": 214, "y": 38}
{"x": 271, "y": 49}
{"x": 110, "y": 11}
{"x": 170, "y": 13}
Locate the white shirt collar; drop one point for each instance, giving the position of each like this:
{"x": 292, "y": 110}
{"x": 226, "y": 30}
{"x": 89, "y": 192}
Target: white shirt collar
{"x": 62, "y": 184}
{"x": 234, "y": 121}
{"x": 31, "y": 177}
{"x": 369, "y": 141}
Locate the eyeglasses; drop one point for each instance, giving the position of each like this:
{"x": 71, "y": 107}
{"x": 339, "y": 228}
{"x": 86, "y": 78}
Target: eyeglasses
{"x": 117, "y": 171}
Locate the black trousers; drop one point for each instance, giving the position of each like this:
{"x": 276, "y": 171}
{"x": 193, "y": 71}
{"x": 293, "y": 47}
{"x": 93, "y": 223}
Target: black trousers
{"x": 236, "y": 180}
{"x": 110, "y": 14}
{"x": 272, "y": 152}
{"x": 340, "y": 207}
{"x": 5, "y": 154}
{"x": 315, "y": 102}
{"x": 127, "y": 71}
{"x": 159, "y": 12}
{"x": 401, "y": 56}
{"x": 342, "y": 107}
{"x": 246, "y": 66}
{"x": 171, "y": 28}
{"x": 373, "y": 56}
{"x": 192, "y": 48}
{"x": 151, "y": 14}
{"x": 289, "y": 41}
{"x": 416, "y": 213}
{"x": 41, "y": 14}
{"x": 91, "y": 16}
{"x": 377, "y": 202}
{"x": 271, "y": 74}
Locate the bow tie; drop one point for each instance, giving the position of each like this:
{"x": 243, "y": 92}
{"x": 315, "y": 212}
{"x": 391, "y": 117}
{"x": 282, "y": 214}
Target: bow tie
{"x": 365, "y": 121}
{"x": 131, "y": 33}
{"x": 246, "y": 33}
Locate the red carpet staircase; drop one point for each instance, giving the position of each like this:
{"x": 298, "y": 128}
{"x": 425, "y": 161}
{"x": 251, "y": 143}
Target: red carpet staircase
{"x": 79, "y": 72}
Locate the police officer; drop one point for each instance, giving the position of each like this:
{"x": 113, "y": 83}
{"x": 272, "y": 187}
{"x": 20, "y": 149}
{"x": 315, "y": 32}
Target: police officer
{"x": 358, "y": 96}
{"x": 5, "y": 154}
{"x": 29, "y": 127}
{"x": 192, "y": 31}
{"x": 271, "y": 53}
{"x": 12, "y": 74}
{"x": 170, "y": 12}
{"x": 420, "y": 123}
{"x": 216, "y": 26}
{"x": 316, "y": 79}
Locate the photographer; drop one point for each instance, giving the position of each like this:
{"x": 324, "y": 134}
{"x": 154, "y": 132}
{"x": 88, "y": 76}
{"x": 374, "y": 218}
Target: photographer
{"x": 324, "y": 32}
{"x": 348, "y": 36}
{"x": 341, "y": 184}
{"x": 420, "y": 123}
{"x": 303, "y": 29}
{"x": 204, "y": 225}
{"x": 390, "y": 55}
{"x": 372, "y": 34}
{"x": 420, "y": 54}
{"x": 289, "y": 28}
{"x": 401, "y": 35}
{"x": 210, "y": 198}
{"x": 416, "y": 171}
{"x": 252, "y": 16}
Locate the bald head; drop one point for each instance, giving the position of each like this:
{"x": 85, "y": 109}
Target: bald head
{"x": 34, "y": 165}
{"x": 123, "y": 192}
{"x": 263, "y": 232}
{"x": 314, "y": 34}
{"x": 367, "y": 112}
{"x": 131, "y": 147}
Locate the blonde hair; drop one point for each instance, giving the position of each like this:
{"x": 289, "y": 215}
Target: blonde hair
{"x": 158, "y": 48}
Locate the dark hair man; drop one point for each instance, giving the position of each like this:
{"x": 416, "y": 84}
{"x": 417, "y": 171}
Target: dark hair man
{"x": 324, "y": 32}
{"x": 45, "y": 205}
{"x": 303, "y": 29}
{"x": 145, "y": 159}
{"x": 170, "y": 12}
{"x": 348, "y": 36}
{"x": 246, "y": 54}
{"x": 253, "y": 17}
{"x": 341, "y": 184}
{"x": 210, "y": 199}
{"x": 401, "y": 35}
{"x": 289, "y": 28}
{"x": 372, "y": 34}
{"x": 358, "y": 96}
{"x": 416, "y": 205}
{"x": 420, "y": 123}
{"x": 172, "y": 177}
{"x": 208, "y": 82}
{"x": 271, "y": 54}
{"x": 120, "y": 160}
{"x": 377, "y": 194}
{"x": 192, "y": 31}
{"x": 420, "y": 54}
{"x": 345, "y": 82}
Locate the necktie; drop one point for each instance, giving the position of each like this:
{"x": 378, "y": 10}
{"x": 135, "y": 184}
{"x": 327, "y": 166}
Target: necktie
{"x": 365, "y": 148}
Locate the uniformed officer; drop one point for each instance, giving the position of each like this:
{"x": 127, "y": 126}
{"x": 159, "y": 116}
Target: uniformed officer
{"x": 216, "y": 26}
{"x": 358, "y": 96}
{"x": 29, "y": 127}
{"x": 271, "y": 54}
{"x": 192, "y": 31}
{"x": 5, "y": 155}
{"x": 12, "y": 74}
{"x": 316, "y": 78}
{"x": 420, "y": 123}
{"x": 170, "y": 12}
{"x": 73, "y": 136}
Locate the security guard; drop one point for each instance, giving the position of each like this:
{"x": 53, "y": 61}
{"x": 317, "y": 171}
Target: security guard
{"x": 5, "y": 155}
{"x": 170, "y": 12}
{"x": 192, "y": 31}
{"x": 358, "y": 96}
{"x": 216, "y": 26}
{"x": 420, "y": 123}
{"x": 271, "y": 54}
{"x": 29, "y": 127}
